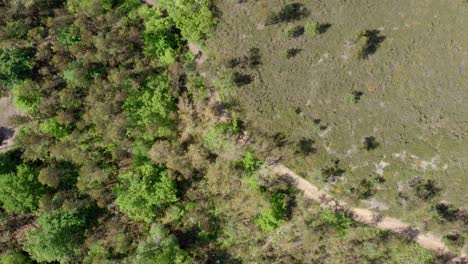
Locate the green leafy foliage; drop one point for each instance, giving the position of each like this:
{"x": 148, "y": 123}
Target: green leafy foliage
{"x": 161, "y": 37}
{"x": 339, "y": 220}
{"x": 312, "y": 28}
{"x": 144, "y": 193}
{"x": 20, "y": 191}
{"x": 54, "y": 128}
{"x": 250, "y": 163}
{"x": 15, "y": 65}
{"x": 14, "y": 258}
{"x": 193, "y": 17}
{"x": 152, "y": 105}
{"x": 57, "y": 237}
{"x": 27, "y": 96}
{"x": 275, "y": 215}
{"x": 161, "y": 248}
{"x": 69, "y": 35}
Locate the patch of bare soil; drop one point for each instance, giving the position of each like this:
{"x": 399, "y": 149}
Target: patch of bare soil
{"x": 7, "y": 128}
{"x": 366, "y": 216}
{"x": 199, "y": 56}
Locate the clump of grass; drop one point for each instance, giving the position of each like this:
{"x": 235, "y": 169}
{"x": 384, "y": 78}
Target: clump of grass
{"x": 312, "y": 28}
{"x": 354, "y": 97}
{"x": 294, "y": 31}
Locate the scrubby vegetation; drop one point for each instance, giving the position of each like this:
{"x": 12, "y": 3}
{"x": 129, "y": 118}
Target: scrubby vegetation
{"x": 124, "y": 154}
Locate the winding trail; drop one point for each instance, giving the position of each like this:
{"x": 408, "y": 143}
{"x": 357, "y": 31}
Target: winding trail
{"x": 366, "y": 216}
{"x": 361, "y": 215}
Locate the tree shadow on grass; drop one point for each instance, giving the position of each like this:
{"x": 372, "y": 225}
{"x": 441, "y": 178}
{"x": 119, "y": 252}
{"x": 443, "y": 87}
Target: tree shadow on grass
{"x": 373, "y": 41}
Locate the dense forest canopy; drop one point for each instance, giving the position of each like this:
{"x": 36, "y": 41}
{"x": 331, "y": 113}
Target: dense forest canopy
{"x": 121, "y": 156}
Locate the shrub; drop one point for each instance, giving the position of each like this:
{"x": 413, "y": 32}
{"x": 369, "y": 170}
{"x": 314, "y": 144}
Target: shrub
{"x": 339, "y": 220}
{"x": 292, "y": 52}
{"x": 306, "y": 146}
{"x": 288, "y": 13}
{"x": 231, "y": 127}
{"x": 254, "y": 57}
{"x": 365, "y": 189}
{"x": 425, "y": 189}
{"x": 312, "y": 29}
{"x": 370, "y": 143}
{"x": 331, "y": 173}
{"x": 250, "y": 163}
{"x": 446, "y": 211}
{"x": 295, "y": 31}
{"x": 275, "y": 215}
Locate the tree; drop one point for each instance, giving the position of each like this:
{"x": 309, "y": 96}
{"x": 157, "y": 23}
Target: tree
{"x": 193, "y": 17}
{"x": 145, "y": 191}
{"x": 27, "y": 96}
{"x": 160, "y": 248}
{"x": 20, "y": 191}
{"x": 161, "y": 37}
{"x": 151, "y": 106}
{"x": 15, "y": 65}
{"x": 57, "y": 237}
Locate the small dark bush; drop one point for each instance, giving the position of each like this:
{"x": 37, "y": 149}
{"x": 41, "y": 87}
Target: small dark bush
{"x": 292, "y": 53}
{"x": 306, "y": 146}
{"x": 288, "y": 13}
{"x": 446, "y": 211}
{"x": 372, "y": 42}
{"x": 370, "y": 143}
{"x": 280, "y": 140}
{"x": 232, "y": 63}
{"x": 254, "y": 57}
{"x": 331, "y": 173}
{"x": 425, "y": 189}
{"x": 295, "y": 31}
{"x": 242, "y": 79}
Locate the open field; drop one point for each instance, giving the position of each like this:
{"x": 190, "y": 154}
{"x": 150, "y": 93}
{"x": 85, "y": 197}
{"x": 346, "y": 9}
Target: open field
{"x": 407, "y": 97}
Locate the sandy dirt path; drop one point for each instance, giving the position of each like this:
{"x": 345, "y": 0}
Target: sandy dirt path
{"x": 361, "y": 215}
{"x": 366, "y": 216}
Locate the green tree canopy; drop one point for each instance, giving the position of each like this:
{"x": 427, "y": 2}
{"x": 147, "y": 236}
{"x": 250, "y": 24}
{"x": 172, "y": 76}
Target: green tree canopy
{"x": 20, "y": 191}
{"x": 160, "y": 248}
{"x": 152, "y": 105}
{"x": 57, "y": 237}
{"x": 145, "y": 191}
{"x": 193, "y": 17}
{"x": 162, "y": 39}
{"x": 15, "y": 64}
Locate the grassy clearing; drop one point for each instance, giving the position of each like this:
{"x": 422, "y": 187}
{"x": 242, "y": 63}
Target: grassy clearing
{"x": 378, "y": 86}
